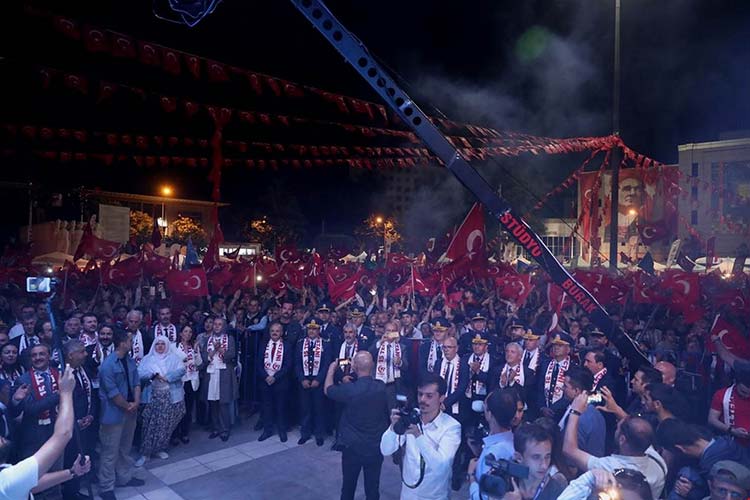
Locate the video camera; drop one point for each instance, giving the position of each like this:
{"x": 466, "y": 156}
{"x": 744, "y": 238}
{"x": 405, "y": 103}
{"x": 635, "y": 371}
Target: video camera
{"x": 497, "y": 482}
{"x": 409, "y": 416}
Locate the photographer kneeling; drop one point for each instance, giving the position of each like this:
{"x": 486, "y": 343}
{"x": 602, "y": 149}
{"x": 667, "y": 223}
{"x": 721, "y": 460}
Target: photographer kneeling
{"x": 431, "y": 439}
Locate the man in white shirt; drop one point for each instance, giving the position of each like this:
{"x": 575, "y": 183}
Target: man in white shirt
{"x": 31, "y": 474}
{"x": 633, "y": 439}
{"x": 430, "y": 446}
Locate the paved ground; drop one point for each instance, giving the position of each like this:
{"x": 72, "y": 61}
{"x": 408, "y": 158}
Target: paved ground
{"x": 244, "y": 469}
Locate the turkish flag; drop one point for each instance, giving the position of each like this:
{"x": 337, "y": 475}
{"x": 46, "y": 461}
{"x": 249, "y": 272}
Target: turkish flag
{"x": 731, "y": 336}
{"x": 344, "y": 290}
{"x": 514, "y": 288}
{"x": 555, "y": 300}
{"x": 155, "y": 265}
{"x": 95, "y": 247}
{"x": 653, "y": 231}
{"x": 211, "y": 260}
{"x": 414, "y": 283}
{"x": 243, "y": 276}
{"x": 191, "y": 282}
{"x": 456, "y": 270}
{"x": 470, "y": 237}
{"x": 122, "y": 272}
{"x": 395, "y": 260}
{"x": 735, "y": 298}
{"x": 683, "y": 288}
{"x": 219, "y": 277}
{"x": 314, "y": 271}
{"x": 646, "y": 289}
{"x": 286, "y": 253}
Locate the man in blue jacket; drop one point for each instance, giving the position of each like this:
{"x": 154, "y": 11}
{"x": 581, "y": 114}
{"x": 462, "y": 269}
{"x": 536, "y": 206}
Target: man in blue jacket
{"x": 120, "y": 395}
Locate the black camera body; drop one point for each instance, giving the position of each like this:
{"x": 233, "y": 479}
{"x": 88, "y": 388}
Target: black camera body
{"x": 497, "y": 482}
{"x": 409, "y": 416}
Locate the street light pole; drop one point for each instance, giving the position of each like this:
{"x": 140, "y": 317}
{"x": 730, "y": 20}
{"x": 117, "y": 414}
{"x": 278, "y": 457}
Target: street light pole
{"x": 617, "y": 152}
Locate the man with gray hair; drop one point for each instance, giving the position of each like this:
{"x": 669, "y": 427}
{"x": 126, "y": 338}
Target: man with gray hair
{"x": 364, "y": 418}
{"x": 141, "y": 342}
{"x": 84, "y": 410}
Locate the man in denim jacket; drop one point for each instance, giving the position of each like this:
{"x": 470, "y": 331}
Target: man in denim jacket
{"x": 120, "y": 395}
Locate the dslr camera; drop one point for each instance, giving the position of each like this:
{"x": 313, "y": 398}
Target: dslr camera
{"x": 497, "y": 482}
{"x": 408, "y": 416}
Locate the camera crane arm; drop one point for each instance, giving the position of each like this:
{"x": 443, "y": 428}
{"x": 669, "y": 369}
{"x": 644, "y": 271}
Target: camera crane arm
{"x": 356, "y": 54}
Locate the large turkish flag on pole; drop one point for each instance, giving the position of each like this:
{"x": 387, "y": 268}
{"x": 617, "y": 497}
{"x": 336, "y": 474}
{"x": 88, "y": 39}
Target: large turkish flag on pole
{"x": 470, "y": 237}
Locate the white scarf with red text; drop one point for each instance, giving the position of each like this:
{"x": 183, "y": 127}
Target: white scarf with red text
{"x": 381, "y": 368}
{"x": 598, "y": 377}
{"x": 189, "y": 358}
{"x": 729, "y": 406}
{"x": 512, "y": 375}
{"x": 344, "y": 346}
{"x": 39, "y": 391}
{"x": 453, "y": 383}
{"x": 169, "y": 331}
{"x": 138, "y": 352}
{"x": 88, "y": 340}
{"x": 272, "y": 359}
{"x": 311, "y": 369}
{"x": 476, "y": 387}
{"x": 223, "y": 345}
{"x": 557, "y": 386}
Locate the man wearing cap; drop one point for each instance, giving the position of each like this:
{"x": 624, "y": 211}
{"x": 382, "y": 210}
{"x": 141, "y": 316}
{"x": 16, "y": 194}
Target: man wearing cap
{"x": 328, "y": 330}
{"x": 365, "y": 335}
{"x": 407, "y": 330}
{"x": 532, "y": 355}
{"x": 431, "y": 353}
{"x": 729, "y": 480}
{"x": 390, "y": 361}
{"x": 313, "y": 355}
{"x": 478, "y": 325}
{"x": 481, "y": 369}
{"x": 516, "y": 331}
{"x": 552, "y": 402}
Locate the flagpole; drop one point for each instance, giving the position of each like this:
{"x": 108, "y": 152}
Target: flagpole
{"x": 255, "y": 279}
{"x": 412, "y": 283}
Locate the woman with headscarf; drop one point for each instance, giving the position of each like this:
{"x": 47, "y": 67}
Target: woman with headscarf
{"x": 10, "y": 365}
{"x": 161, "y": 373}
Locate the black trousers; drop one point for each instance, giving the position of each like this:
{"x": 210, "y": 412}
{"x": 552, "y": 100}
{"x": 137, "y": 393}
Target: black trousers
{"x": 352, "y": 462}
{"x": 313, "y": 412}
{"x": 88, "y": 442}
{"x": 274, "y": 398}
{"x": 183, "y": 428}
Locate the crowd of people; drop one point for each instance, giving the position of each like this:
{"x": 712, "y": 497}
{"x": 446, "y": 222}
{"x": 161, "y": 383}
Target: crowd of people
{"x": 484, "y": 393}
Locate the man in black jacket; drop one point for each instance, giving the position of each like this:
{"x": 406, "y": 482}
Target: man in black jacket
{"x": 363, "y": 421}
{"x": 274, "y": 368}
{"x": 312, "y": 355}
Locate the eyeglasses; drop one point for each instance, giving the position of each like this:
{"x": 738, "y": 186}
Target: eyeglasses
{"x": 734, "y": 495}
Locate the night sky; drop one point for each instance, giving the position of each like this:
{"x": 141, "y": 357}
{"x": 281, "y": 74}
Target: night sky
{"x": 541, "y": 67}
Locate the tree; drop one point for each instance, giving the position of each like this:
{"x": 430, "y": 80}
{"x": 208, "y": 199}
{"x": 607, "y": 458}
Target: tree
{"x": 270, "y": 232}
{"x": 141, "y": 226}
{"x": 185, "y": 227}
{"x": 379, "y": 229}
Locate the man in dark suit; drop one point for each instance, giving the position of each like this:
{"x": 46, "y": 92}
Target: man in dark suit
{"x": 365, "y": 334}
{"x": 550, "y": 392}
{"x": 478, "y": 325}
{"x": 274, "y": 368}
{"x": 83, "y": 409}
{"x": 363, "y": 420}
{"x": 312, "y": 355}
{"x": 514, "y": 374}
{"x": 328, "y": 330}
{"x": 39, "y": 407}
{"x": 456, "y": 376}
{"x": 482, "y": 378}
{"x": 431, "y": 350}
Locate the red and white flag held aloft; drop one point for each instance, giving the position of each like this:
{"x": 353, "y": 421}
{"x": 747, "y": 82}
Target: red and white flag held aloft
{"x": 470, "y": 237}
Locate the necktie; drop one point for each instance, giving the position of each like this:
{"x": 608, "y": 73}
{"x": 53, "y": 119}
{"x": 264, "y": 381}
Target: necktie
{"x": 449, "y": 380}
{"x": 45, "y": 376}
{"x": 348, "y": 352}
{"x": 527, "y": 358}
{"x": 77, "y": 373}
{"x": 476, "y": 358}
{"x": 553, "y": 382}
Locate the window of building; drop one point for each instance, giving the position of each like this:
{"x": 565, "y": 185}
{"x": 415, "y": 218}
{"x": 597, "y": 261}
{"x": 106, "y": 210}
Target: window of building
{"x": 694, "y": 217}
{"x": 694, "y": 171}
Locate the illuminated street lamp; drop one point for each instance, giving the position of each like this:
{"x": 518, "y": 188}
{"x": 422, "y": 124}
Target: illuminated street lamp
{"x": 166, "y": 190}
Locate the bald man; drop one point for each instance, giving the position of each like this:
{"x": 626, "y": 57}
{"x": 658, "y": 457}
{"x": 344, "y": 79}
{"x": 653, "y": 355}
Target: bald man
{"x": 668, "y": 372}
{"x": 363, "y": 420}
